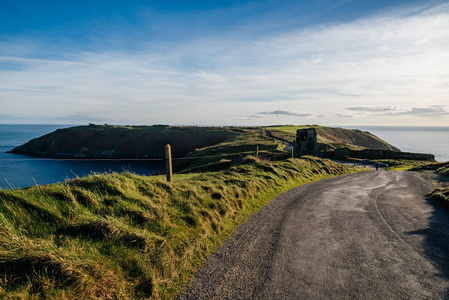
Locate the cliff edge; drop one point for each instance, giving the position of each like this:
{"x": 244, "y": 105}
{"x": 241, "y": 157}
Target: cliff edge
{"x": 126, "y": 142}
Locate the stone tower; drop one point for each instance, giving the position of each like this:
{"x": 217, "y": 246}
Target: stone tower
{"x": 306, "y": 142}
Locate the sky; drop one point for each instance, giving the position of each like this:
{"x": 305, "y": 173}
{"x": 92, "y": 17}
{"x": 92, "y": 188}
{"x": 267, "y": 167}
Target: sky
{"x": 225, "y": 62}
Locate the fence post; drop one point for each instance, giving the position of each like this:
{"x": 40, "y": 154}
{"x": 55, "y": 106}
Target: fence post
{"x": 257, "y": 151}
{"x": 168, "y": 164}
{"x": 293, "y": 152}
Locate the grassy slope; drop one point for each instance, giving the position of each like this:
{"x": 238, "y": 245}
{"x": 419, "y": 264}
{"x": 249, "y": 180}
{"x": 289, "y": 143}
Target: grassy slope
{"x": 439, "y": 168}
{"x": 336, "y": 137}
{"x": 221, "y": 156}
{"x": 107, "y": 141}
{"x": 399, "y": 164}
{"x": 127, "y": 236}
{"x": 123, "y": 141}
{"x": 440, "y": 195}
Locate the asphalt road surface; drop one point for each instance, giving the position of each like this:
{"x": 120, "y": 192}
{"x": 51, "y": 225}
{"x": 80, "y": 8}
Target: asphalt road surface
{"x": 369, "y": 235}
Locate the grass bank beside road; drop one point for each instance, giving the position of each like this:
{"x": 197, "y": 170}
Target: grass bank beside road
{"x": 124, "y": 236}
{"x": 439, "y": 195}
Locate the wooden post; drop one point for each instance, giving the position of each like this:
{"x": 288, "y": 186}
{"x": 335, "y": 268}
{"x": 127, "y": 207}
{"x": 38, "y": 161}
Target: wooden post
{"x": 257, "y": 151}
{"x": 293, "y": 152}
{"x": 168, "y": 164}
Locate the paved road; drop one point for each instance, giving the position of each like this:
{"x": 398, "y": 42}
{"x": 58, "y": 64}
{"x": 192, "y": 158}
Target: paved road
{"x": 370, "y": 235}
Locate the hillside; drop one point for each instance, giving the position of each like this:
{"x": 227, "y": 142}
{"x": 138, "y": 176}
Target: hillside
{"x": 137, "y": 142}
{"x": 105, "y": 141}
{"x": 124, "y": 236}
{"x": 335, "y": 137}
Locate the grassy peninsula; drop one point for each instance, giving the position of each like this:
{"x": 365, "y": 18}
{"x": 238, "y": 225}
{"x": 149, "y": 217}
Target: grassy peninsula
{"x": 125, "y": 236}
{"x": 108, "y": 141}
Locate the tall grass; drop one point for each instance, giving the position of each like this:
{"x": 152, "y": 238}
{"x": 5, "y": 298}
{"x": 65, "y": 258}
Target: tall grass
{"x": 124, "y": 236}
{"x": 439, "y": 195}
{"x": 439, "y": 168}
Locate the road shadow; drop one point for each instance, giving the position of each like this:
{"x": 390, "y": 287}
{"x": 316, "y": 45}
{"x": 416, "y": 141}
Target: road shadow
{"x": 436, "y": 242}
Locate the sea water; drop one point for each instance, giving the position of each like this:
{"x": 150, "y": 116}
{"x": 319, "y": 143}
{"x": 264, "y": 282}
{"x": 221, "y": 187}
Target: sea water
{"x": 19, "y": 171}
{"x": 434, "y": 140}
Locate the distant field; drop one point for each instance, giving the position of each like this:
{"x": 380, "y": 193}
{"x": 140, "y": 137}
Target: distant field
{"x": 335, "y": 137}
{"x": 289, "y": 129}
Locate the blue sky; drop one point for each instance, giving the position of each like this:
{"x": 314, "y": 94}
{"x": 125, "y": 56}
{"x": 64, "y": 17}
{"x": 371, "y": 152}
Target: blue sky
{"x": 225, "y": 62}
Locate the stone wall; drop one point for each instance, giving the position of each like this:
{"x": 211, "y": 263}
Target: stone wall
{"x": 380, "y": 154}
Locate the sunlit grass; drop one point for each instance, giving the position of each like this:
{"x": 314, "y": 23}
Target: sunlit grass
{"x": 125, "y": 236}
{"x": 334, "y": 137}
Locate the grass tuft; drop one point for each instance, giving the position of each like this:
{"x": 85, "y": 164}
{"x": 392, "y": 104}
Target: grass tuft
{"x": 441, "y": 197}
{"x": 96, "y": 230}
{"x": 125, "y": 236}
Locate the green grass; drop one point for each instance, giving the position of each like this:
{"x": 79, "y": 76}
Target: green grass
{"x": 223, "y": 155}
{"x": 335, "y": 137}
{"x": 440, "y": 196}
{"x": 402, "y": 164}
{"x": 124, "y": 236}
{"x": 134, "y": 142}
{"x": 443, "y": 169}
{"x": 439, "y": 168}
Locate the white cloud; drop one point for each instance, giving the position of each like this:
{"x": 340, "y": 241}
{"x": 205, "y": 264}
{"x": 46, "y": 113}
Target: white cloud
{"x": 286, "y": 113}
{"x": 373, "y": 108}
{"x": 399, "y": 59}
{"x": 429, "y": 111}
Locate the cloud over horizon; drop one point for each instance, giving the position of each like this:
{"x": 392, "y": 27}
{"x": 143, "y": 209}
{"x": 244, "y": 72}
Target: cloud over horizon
{"x": 287, "y": 113}
{"x": 429, "y": 111}
{"x": 378, "y": 64}
{"x": 373, "y": 108}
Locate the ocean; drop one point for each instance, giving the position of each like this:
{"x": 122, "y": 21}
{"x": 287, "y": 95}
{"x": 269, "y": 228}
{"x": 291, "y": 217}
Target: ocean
{"x": 19, "y": 171}
{"x": 434, "y": 140}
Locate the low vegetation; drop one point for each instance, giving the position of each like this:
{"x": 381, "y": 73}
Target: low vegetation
{"x": 439, "y": 168}
{"x": 230, "y": 152}
{"x": 399, "y": 164}
{"x": 106, "y": 141}
{"x": 443, "y": 169}
{"x": 137, "y": 142}
{"x": 124, "y": 236}
{"x": 440, "y": 196}
{"x": 335, "y": 137}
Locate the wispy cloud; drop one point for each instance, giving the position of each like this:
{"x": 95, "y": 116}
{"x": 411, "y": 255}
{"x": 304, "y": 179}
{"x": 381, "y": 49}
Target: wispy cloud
{"x": 286, "y": 113}
{"x": 429, "y": 111}
{"x": 349, "y": 116}
{"x": 434, "y": 110}
{"x": 373, "y": 108}
{"x": 373, "y": 65}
